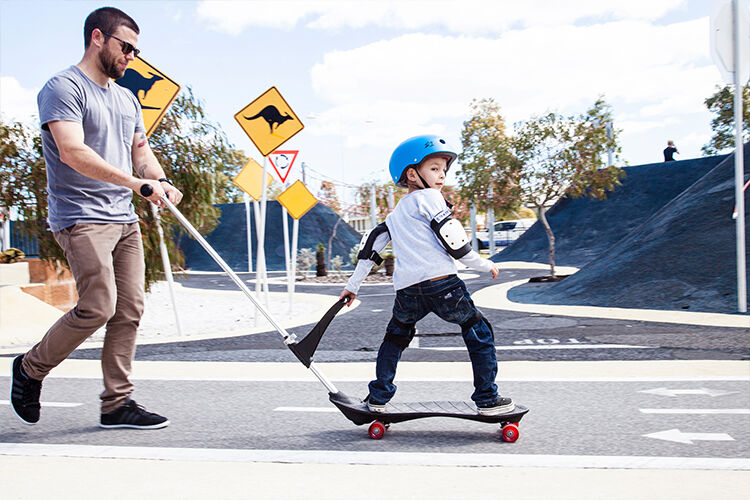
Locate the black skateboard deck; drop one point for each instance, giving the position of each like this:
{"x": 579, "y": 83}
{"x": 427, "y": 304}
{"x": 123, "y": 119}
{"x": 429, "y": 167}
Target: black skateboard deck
{"x": 357, "y": 411}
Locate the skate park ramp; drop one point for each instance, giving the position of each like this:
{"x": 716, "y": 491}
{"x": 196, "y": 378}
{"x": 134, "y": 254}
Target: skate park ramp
{"x": 681, "y": 257}
{"x": 229, "y": 238}
{"x": 584, "y": 228}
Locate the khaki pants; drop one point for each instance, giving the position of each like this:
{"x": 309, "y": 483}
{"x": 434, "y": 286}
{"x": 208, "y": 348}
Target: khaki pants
{"x": 107, "y": 263}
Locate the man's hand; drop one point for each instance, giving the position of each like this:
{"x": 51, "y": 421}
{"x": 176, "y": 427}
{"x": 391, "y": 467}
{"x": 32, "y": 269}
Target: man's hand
{"x": 347, "y": 293}
{"x": 157, "y": 191}
{"x": 173, "y": 194}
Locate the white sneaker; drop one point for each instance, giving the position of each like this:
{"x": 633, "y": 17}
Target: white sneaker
{"x": 502, "y": 405}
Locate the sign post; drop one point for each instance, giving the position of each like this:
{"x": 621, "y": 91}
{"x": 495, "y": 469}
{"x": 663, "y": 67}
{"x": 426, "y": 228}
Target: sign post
{"x": 155, "y": 92}
{"x": 297, "y": 200}
{"x": 269, "y": 122}
{"x": 730, "y": 48}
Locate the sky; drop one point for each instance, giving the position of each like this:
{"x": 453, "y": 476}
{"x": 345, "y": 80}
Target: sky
{"x": 365, "y": 75}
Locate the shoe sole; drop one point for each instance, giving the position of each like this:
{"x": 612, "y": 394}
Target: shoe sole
{"x": 500, "y": 410}
{"x": 10, "y": 397}
{"x": 131, "y": 426}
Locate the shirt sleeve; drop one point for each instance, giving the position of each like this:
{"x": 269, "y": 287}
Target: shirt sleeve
{"x": 365, "y": 265}
{"x": 432, "y": 204}
{"x": 476, "y": 262}
{"x": 60, "y": 100}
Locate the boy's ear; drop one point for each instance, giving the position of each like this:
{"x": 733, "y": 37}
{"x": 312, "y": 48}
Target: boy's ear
{"x": 411, "y": 174}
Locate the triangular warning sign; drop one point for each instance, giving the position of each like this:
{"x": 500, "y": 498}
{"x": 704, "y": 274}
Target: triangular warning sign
{"x": 282, "y": 162}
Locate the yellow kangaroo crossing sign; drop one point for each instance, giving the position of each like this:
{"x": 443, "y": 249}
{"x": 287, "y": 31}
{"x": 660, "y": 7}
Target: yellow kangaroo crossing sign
{"x": 153, "y": 89}
{"x": 269, "y": 121}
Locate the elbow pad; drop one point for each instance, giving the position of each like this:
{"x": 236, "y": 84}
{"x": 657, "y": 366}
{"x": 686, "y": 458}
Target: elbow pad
{"x": 368, "y": 240}
{"x": 451, "y": 234}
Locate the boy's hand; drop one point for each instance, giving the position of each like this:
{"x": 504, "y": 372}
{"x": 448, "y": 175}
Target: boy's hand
{"x": 494, "y": 271}
{"x": 347, "y": 293}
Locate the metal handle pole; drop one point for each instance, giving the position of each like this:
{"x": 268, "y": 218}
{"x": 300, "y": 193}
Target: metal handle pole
{"x": 288, "y": 338}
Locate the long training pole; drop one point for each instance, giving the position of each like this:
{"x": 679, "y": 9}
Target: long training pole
{"x": 288, "y": 338}
{"x": 739, "y": 170}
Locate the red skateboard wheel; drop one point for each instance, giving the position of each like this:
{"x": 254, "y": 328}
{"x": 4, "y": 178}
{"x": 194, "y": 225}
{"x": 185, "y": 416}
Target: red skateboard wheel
{"x": 377, "y": 430}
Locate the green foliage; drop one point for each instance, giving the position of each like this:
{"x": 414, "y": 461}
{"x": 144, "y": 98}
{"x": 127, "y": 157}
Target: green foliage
{"x": 23, "y": 185}
{"x": 564, "y": 156}
{"x": 722, "y": 104}
{"x": 198, "y": 158}
{"x": 489, "y": 168}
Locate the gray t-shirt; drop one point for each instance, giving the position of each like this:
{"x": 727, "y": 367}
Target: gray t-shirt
{"x": 110, "y": 118}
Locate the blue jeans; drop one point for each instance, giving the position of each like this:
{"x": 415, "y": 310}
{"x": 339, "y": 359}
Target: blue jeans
{"x": 448, "y": 298}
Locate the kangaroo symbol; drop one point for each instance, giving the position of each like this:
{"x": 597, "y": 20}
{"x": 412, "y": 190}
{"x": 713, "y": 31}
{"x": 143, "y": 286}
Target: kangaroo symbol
{"x": 272, "y": 116}
{"x": 135, "y": 82}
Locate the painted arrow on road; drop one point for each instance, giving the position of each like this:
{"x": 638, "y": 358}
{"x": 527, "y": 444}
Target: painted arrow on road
{"x": 677, "y": 436}
{"x": 673, "y": 393}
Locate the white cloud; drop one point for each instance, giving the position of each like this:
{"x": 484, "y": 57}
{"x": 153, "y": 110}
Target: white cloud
{"x": 16, "y": 102}
{"x": 418, "y": 79}
{"x": 467, "y": 16}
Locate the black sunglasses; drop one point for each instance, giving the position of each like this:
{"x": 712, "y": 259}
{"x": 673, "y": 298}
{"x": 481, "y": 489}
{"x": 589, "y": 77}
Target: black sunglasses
{"x": 127, "y": 48}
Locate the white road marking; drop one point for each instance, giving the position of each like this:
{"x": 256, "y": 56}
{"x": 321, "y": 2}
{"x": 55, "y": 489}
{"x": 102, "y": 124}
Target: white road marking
{"x": 304, "y": 409}
{"x": 48, "y": 404}
{"x": 696, "y": 411}
{"x": 374, "y": 458}
{"x": 663, "y": 391}
{"x": 553, "y": 346}
{"x": 677, "y": 436}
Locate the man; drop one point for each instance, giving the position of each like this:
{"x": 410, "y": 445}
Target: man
{"x": 670, "y": 151}
{"x": 93, "y": 138}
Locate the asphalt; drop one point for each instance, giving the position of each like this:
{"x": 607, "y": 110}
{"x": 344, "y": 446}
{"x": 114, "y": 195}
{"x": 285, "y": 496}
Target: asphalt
{"x": 587, "y": 342}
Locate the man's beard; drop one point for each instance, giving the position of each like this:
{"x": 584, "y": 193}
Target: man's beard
{"x": 109, "y": 66}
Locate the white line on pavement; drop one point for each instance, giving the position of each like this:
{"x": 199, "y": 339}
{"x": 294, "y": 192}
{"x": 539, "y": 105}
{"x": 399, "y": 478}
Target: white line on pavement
{"x": 696, "y": 411}
{"x": 303, "y": 409}
{"x": 553, "y": 346}
{"x": 48, "y": 404}
{"x": 374, "y": 458}
{"x": 416, "y": 378}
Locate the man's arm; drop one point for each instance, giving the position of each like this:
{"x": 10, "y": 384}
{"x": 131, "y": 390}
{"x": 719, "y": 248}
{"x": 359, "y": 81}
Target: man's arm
{"x": 147, "y": 166}
{"x": 77, "y": 155}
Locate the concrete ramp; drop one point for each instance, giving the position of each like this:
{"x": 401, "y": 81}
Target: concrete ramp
{"x": 681, "y": 257}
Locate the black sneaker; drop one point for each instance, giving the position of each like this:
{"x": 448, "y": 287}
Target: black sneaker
{"x": 131, "y": 415}
{"x": 502, "y": 405}
{"x": 24, "y": 394}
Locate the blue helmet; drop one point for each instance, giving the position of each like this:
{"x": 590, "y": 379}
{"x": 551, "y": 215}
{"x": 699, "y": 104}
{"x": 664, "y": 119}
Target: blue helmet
{"x": 412, "y": 152}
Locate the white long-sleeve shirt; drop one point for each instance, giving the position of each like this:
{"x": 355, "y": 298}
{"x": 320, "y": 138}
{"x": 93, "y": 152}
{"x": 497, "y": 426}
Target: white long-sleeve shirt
{"x": 420, "y": 255}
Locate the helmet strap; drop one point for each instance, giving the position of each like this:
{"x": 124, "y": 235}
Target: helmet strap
{"x": 424, "y": 182}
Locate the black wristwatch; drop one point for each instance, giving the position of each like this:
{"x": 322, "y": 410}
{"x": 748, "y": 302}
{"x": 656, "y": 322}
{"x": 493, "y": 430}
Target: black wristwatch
{"x": 164, "y": 179}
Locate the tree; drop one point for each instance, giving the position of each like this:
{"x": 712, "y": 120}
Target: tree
{"x": 489, "y": 170}
{"x": 196, "y": 157}
{"x": 559, "y": 156}
{"x": 327, "y": 196}
{"x": 722, "y": 104}
{"x": 23, "y": 185}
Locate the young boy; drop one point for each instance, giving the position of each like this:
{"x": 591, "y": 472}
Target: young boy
{"x": 426, "y": 240}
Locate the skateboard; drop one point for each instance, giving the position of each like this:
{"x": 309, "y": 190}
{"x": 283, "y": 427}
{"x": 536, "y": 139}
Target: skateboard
{"x": 357, "y": 411}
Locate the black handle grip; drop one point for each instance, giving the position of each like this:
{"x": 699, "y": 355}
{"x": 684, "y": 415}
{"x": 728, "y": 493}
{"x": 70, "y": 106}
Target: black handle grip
{"x": 146, "y": 190}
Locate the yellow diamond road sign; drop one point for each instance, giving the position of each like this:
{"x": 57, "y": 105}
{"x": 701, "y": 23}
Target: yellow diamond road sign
{"x": 250, "y": 179}
{"x": 297, "y": 200}
{"x": 269, "y": 121}
{"x": 153, "y": 89}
